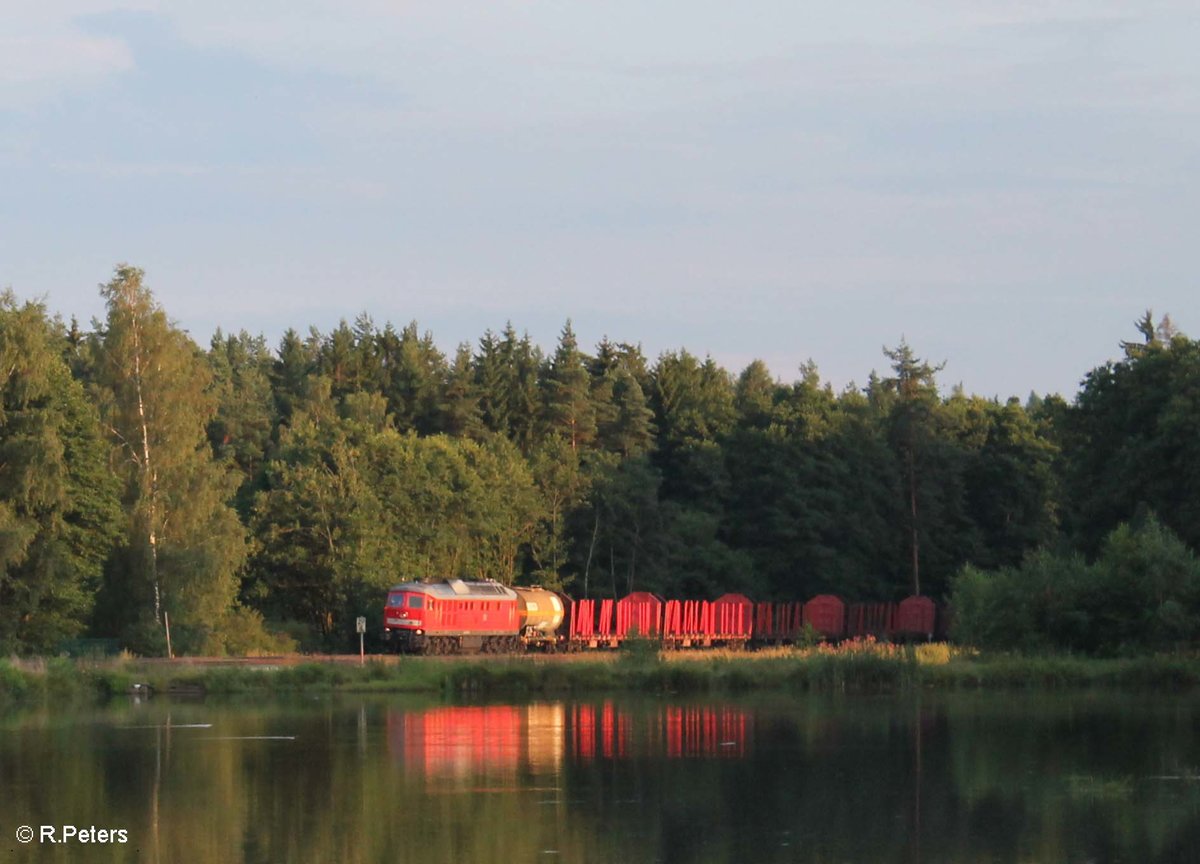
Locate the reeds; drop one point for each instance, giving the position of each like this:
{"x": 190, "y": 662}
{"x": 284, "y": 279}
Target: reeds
{"x": 853, "y": 665}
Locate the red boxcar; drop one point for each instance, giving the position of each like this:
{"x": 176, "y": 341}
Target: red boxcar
{"x": 916, "y": 618}
{"x": 827, "y": 615}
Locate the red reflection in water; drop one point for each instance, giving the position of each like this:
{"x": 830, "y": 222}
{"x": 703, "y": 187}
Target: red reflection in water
{"x": 465, "y": 741}
{"x": 706, "y": 731}
{"x": 507, "y": 739}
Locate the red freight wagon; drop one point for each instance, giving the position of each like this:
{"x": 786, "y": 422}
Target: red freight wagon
{"x": 590, "y": 624}
{"x": 916, "y": 617}
{"x": 639, "y": 615}
{"x": 777, "y": 623}
{"x": 827, "y": 615}
{"x": 871, "y": 619}
{"x": 451, "y": 616}
{"x": 686, "y": 623}
{"x": 733, "y": 619}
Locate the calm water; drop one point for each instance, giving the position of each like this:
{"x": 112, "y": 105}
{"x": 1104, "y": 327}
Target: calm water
{"x": 954, "y": 778}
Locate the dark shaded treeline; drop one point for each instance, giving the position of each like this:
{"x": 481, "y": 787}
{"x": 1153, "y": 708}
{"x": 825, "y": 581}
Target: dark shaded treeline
{"x": 144, "y": 479}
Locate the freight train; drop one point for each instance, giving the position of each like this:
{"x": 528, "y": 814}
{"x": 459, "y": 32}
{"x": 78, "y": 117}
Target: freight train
{"x": 455, "y": 616}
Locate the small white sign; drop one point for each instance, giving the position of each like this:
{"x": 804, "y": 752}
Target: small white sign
{"x": 360, "y": 625}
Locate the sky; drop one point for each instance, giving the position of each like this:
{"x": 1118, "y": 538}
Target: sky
{"x": 1005, "y": 185}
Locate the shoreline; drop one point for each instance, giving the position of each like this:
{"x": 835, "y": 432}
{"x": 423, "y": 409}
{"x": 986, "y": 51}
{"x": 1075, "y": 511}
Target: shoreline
{"x": 885, "y": 669}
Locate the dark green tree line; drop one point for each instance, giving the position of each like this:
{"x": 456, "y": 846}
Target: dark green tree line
{"x": 146, "y": 479}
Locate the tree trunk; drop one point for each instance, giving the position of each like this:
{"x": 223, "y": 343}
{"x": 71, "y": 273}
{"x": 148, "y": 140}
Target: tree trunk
{"x": 912, "y": 501}
{"x": 591, "y": 549}
{"x": 149, "y": 480}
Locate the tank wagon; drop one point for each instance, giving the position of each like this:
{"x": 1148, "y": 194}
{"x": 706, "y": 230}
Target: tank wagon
{"x": 456, "y": 616}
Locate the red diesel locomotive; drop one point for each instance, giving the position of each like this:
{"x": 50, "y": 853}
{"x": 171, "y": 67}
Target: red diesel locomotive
{"x": 456, "y": 616}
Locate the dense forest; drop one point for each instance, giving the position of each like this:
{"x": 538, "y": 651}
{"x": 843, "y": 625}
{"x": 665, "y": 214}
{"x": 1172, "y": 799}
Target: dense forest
{"x": 259, "y": 496}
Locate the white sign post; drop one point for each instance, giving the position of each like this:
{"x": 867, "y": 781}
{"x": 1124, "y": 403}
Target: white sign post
{"x": 360, "y": 625}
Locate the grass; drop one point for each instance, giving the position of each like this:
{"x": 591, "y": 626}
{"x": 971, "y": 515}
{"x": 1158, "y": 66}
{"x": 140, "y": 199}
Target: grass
{"x": 855, "y": 665}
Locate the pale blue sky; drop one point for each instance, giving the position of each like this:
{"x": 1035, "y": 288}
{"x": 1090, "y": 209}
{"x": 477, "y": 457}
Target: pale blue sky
{"x": 1006, "y": 184}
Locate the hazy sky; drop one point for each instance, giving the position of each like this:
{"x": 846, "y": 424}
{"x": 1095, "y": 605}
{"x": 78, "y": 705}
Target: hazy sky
{"x": 1007, "y": 184}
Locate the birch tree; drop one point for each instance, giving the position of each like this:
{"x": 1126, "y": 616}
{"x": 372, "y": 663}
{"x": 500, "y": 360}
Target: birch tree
{"x": 185, "y": 544}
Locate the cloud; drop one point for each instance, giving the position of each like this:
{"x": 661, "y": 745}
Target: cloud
{"x": 47, "y": 49}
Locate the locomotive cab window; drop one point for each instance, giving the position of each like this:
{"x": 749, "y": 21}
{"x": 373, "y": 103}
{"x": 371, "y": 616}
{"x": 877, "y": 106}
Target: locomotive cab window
{"x": 396, "y": 600}
{"x": 415, "y": 601}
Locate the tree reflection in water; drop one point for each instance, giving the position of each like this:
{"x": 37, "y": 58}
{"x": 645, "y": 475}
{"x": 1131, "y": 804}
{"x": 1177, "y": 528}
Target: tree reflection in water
{"x": 956, "y": 777}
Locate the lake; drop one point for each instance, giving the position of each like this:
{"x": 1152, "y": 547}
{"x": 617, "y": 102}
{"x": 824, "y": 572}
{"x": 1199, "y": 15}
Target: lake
{"x": 949, "y": 777}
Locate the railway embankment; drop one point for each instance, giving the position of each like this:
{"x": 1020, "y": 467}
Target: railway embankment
{"x": 861, "y": 666}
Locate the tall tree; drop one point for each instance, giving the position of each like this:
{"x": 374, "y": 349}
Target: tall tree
{"x": 629, "y": 429}
{"x": 245, "y": 419}
{"x": 296, "y": 361}
{"x": 1130, "y": 439}
{"x": 1012, "y": 487}
{"x": 58, "y": 503}
{"x": 915, "y": 387}
{"x": 185, "y": 544}
{"x": 415, "y": 377}
{"x": 568, "y": 408}
{"x": 492, "y": 383}
{"x": 754, "y": 395}
{"x": 460, "y": 411}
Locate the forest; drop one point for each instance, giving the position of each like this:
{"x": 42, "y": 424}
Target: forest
{"x": 261, "y": 497}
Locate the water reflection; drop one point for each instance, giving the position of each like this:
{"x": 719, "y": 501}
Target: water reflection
{"x": 470, "y": 741}
{"x": 507, "y": 740}
{"x": 1075, "y": 777}
{"x": 606, "y": 731}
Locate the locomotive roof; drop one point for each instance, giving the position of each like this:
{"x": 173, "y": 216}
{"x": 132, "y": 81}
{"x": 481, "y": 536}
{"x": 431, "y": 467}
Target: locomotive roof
{"x": 451, "y": 588}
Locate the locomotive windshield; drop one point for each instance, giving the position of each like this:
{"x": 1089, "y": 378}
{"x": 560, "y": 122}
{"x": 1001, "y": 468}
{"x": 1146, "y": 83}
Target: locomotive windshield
{"x": 395, "y": 600}
{"x": 415, "y": 601}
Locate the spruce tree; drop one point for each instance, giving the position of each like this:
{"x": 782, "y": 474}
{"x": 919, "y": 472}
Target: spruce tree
{"x": 58, "y": 503}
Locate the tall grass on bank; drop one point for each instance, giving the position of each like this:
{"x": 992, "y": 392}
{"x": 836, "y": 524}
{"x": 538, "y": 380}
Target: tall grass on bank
{"x": 856, "y": 665}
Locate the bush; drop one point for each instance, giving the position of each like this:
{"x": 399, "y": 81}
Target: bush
{"x": 243, "y": 633}
{"x": 1141, "y": 594}
{"x": 14, "y": 684}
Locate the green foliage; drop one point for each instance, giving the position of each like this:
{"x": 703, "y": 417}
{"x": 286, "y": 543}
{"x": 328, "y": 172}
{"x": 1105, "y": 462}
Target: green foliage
{"x": 1141, "y": 594}
{"x": 184, "y": 544}
{"x": 240, "y": 432}
{"x": 1130, "y": 439}
{"x": 141, "y": 477}
{"x": 58, "y": 503}
{"x": 637, "y": 652}
{"x": 353, "y": 506}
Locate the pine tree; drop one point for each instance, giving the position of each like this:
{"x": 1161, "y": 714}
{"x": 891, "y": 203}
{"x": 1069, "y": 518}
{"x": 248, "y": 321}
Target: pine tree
{"x": 567, "y": 400}
{"x": 915, "y": 388}
{"x": 492, "y": 382}
{"x": 460, "y": 412}
{"x": 290, "y": 372}
{"x": 245, "y": 419}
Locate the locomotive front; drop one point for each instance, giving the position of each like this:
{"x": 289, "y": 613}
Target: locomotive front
{"x": 404, "y": 617}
